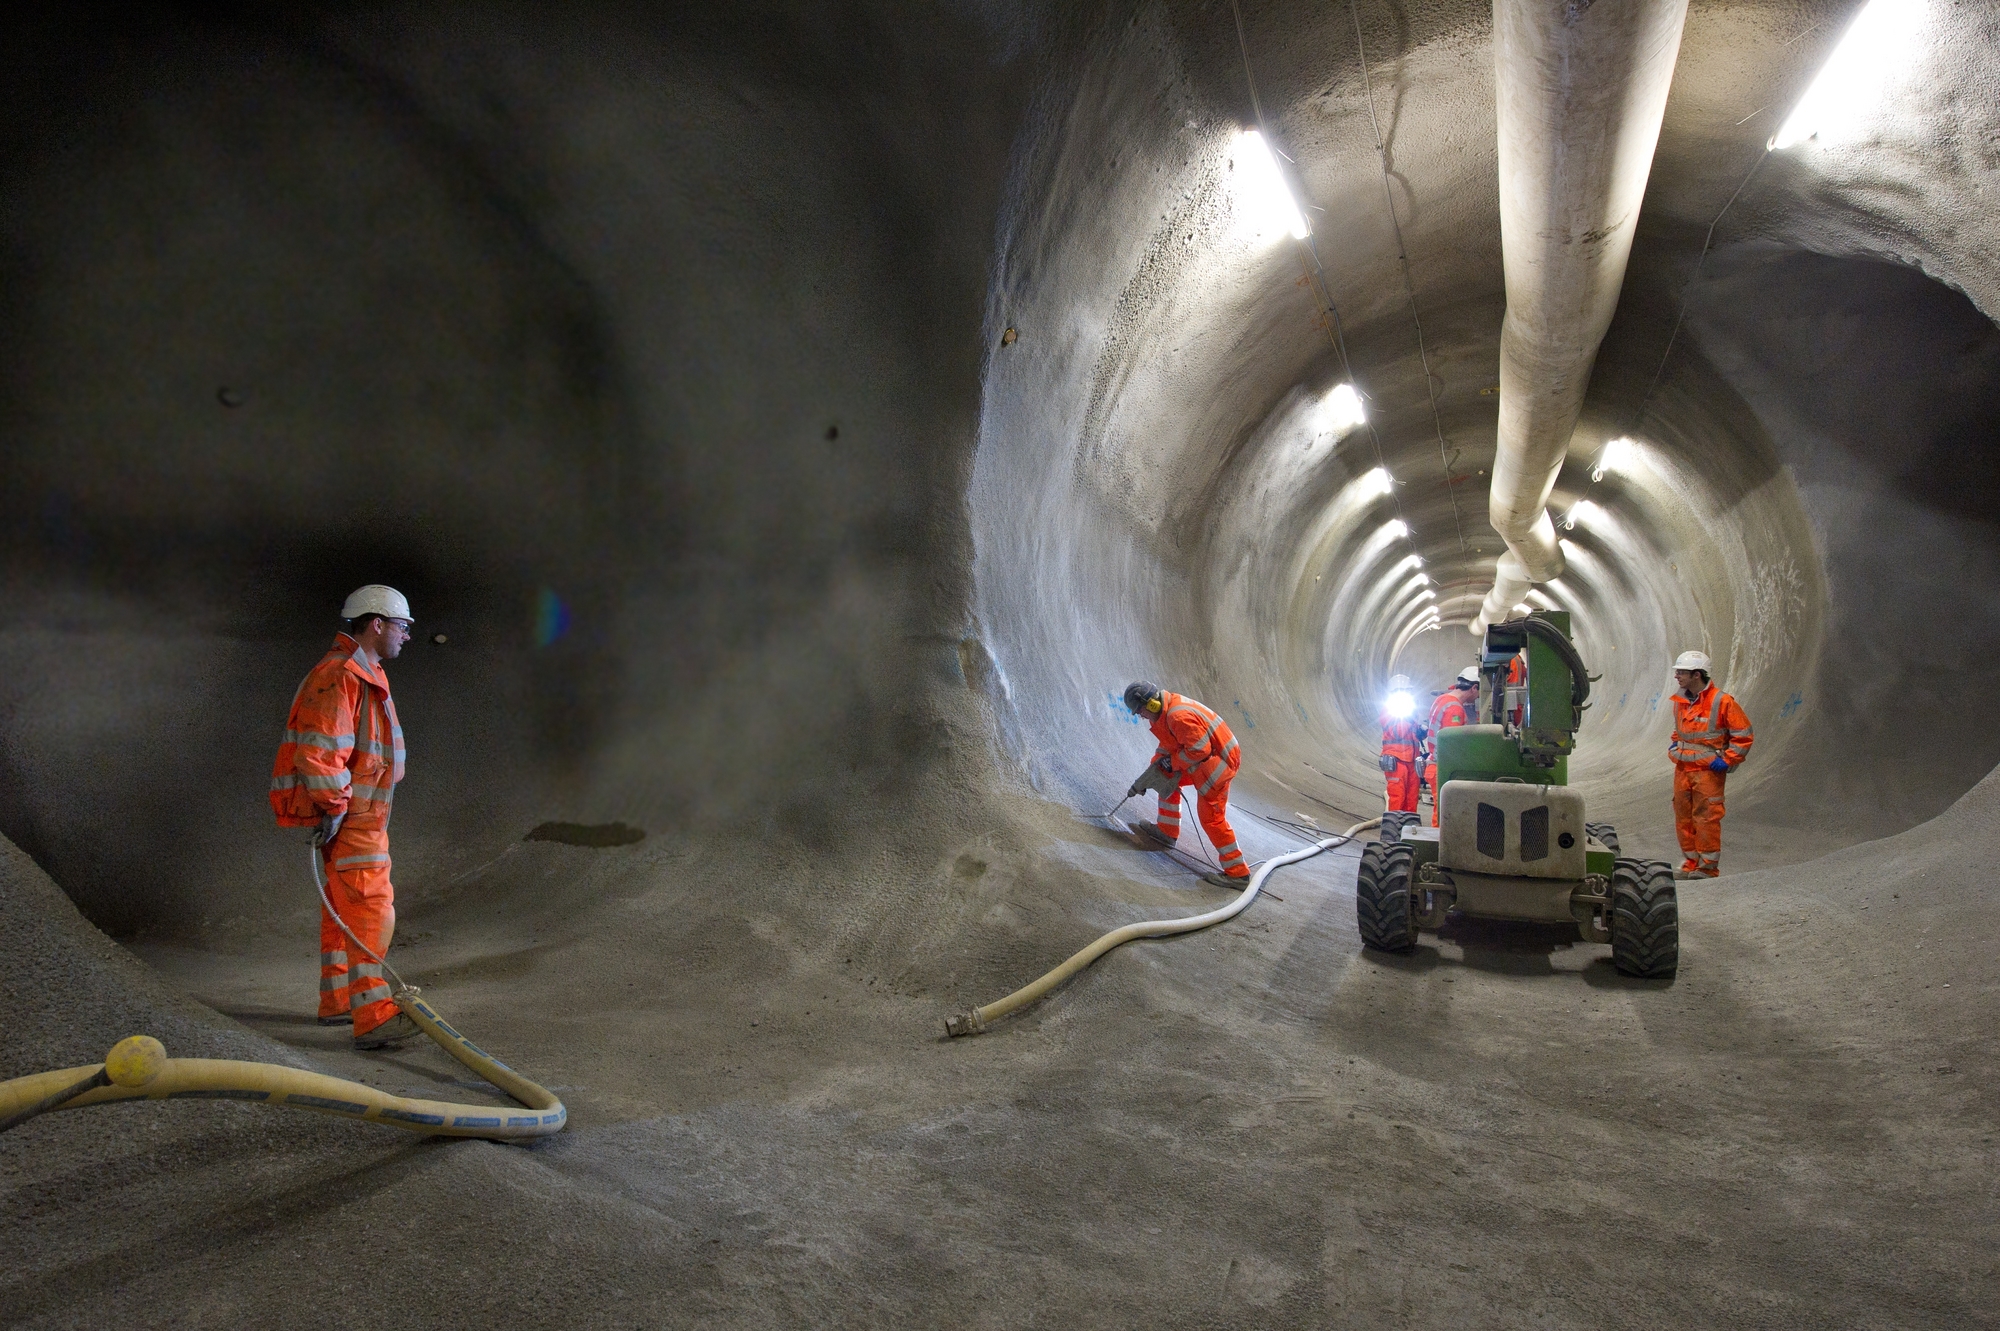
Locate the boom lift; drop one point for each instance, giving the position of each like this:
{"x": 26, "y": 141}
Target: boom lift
{"x": 1511, "y": 841}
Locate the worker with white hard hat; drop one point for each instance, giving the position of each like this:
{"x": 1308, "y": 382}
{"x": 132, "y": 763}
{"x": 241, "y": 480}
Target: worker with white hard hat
{"x": 1454, "y": 707}
{"x": 336, "y": 772}
{"x": 1711, "y": 738}
{"x": 1402, "y": 732}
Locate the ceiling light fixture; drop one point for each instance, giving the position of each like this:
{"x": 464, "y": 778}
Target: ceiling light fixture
{"x": 1261, "y": 189}
{"x": 1614, "y": 456}
{"x": 1851, "y": 83}
{"x": 1583, "y": 510}
{"x": 1342, "y": 410}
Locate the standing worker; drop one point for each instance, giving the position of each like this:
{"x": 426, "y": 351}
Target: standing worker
{"x": 1401, "y": 734}
{"x": 337, "y": 772}
{"x": 1711, "y": 738}
{"x": 1195, "y": 749}
{"x": 1454, "y": 707}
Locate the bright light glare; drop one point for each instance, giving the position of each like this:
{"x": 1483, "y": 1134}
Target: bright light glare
{"x": 1342, "y": 410}
{"x": 1585, "y": 511}
{"x": 1260, "y": 188}
{"x": 1400, "y": 704}
{"x": 1428, "y": 592}
{"x": 1614, "y": 456}
{"x": 1378, "y": 481}
{"x": 1396, "y": 527}
{"x": 1851, "y": 84}
{"x": 1407, "y": 561}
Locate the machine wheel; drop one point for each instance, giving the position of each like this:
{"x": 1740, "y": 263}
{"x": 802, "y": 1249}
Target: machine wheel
{"x": 1605, "y": 833}
{"x": 1645, "y": 919}
{"x": 1382, "y": 897}
{"x": 1393, "y": 824}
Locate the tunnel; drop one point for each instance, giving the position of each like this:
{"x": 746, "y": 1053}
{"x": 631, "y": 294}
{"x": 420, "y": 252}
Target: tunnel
{"x": 793, "y": 426}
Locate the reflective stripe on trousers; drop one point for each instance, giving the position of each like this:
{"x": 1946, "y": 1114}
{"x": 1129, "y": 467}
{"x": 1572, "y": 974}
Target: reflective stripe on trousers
{"x": 364, "y": 896}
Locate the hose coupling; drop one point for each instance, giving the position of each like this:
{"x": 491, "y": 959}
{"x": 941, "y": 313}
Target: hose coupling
{"x": 966, "y": 1023}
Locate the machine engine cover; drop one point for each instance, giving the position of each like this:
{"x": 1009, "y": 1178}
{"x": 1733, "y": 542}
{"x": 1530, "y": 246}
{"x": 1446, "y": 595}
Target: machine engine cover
{"x": 1506, "y": 827}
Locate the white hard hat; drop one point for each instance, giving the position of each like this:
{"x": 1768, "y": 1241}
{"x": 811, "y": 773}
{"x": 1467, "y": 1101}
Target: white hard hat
{"x": 1469, "y": 675}
{"x": 1399, "y": 682}
{"x": 1692, "y": 661}
{"x": 375, "y": 599}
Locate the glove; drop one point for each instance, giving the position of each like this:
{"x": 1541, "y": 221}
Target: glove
{"x": 1720, "y": 764}
{"x": 1154, "y": 778}
{"x": 1387, "y": 762}
{"x": 329, "y": 828}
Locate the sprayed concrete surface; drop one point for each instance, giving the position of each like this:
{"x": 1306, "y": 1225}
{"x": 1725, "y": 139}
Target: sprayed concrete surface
{"x": 771, "y": 612}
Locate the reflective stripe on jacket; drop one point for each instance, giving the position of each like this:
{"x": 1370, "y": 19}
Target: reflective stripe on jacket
{"x": 1706, "y": 726}
{"x": 1399, "y": 737}
{"x": 1196, "y": 741}
{"x": 343, "y": 746}
{"x": 1446, "y": 712}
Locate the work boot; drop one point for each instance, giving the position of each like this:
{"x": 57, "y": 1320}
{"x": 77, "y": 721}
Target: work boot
{"x": 1220, "y": 879}
{"x": 340, "y": 1019}
{"x": 1151, "y": 832}
{"x": 390, "y": 1033}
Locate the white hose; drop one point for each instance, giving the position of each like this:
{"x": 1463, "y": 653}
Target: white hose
{"x": 976, "y": 1021}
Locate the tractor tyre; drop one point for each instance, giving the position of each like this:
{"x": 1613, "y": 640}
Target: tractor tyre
{"x": 1605, "y": 833}
{"x": 1645, "y": 919}
{"x": 1393, "y": 824}
{"x": 1382, "y": 897}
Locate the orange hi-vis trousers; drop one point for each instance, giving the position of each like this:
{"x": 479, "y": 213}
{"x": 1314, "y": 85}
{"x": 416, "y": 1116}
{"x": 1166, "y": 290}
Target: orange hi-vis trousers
{"x": 357, "y": 882}
{"x": 1211, "y": 806}
{"x": 1402, "y": 784}
{"x": 1698, "y": 817}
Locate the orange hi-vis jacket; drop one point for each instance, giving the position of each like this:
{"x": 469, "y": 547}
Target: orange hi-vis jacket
{"x": 1399, "y": 737}
{"x": 343, "y": 746}
{"x": 1196, "y": 741}
{"x": 1447, "y": 712}
{"x": 1706, "y": 726}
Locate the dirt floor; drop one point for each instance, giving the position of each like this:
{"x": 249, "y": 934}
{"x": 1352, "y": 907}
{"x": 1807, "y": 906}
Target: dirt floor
{"x": 1261, "y": 1125}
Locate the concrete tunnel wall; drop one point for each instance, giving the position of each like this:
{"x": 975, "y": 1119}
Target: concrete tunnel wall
{"x": 1188, "y": 519}
{"x": 687, "y": 341}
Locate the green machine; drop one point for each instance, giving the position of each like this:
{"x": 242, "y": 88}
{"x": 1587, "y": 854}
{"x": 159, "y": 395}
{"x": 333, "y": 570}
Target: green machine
{"x": 1511, "y": 841}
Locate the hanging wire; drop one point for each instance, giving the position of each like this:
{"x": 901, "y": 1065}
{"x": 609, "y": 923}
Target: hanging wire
{"x": 1403, "y": 262}
{"x": 1317, "y": 281}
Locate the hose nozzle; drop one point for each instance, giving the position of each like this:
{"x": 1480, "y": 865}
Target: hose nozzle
{"x": 966, "y": 1023}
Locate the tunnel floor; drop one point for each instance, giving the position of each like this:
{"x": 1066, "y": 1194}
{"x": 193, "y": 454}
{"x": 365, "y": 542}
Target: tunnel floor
{"x": 1256, "y": 1125}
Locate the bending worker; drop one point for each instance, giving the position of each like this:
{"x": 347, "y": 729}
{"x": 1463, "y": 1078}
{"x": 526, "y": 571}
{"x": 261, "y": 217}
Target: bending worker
{"x": 1401, "y": 734}
{"x": 337, "y": 772}
{"x": 1195, "y": 749}
{"x": 1454, "y": 707}
{"x": 1711, "y": 738}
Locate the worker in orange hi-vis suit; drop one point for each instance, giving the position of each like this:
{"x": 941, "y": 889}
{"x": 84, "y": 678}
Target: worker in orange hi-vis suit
{"x": 1196, "y": 748}
{"x": 1711, "y": 738}
{"x": 1402, "y": 734}
{"x": 337, "y": 771}
{"x": 1454, "y": 707}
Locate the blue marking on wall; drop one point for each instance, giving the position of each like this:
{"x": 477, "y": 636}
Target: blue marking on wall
{"x": 1302, "y": 712}
{"x": 1792, "y": 704}
{"x": 1248, "y": 724}
{"x": 551, "y": 617}
{"x": 1653, "y": 703}
{"x": 1622, "y": 697}
{"x": 1123, "y": 712}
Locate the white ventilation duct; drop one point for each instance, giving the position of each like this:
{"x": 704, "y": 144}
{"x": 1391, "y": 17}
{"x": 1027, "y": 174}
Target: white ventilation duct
{"x": 1582, "y": 91}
